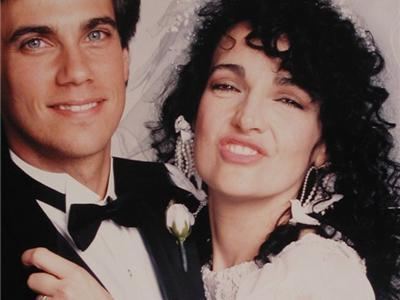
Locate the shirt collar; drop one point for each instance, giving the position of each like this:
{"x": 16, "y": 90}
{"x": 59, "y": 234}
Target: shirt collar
{"x": 63, "y": 183}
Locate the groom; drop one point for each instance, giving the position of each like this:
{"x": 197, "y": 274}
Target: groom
{"x": 64, "y": 71}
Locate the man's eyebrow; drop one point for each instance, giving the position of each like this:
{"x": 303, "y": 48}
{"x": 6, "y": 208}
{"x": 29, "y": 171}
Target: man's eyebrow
{"x": 93, "y": 23}
{"x": 44, "y": 30}
{"x": 47, "y": 30}
{"x": 237, "y": 69}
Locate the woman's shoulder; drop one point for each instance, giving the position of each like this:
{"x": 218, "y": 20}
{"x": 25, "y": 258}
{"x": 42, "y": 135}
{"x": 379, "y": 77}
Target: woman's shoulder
{"x": 311, "y": 268}
{"x": 313, "y": 248}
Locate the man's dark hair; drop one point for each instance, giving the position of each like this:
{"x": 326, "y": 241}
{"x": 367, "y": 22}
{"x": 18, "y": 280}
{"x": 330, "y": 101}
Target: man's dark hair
{"x": 127, "y": 16}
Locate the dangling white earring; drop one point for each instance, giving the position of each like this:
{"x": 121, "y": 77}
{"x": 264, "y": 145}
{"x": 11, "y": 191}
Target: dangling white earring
{"x": 184, "y": 147}
{"x": 310, "y": 196}
{"x": 319, "y": 199}
{"x": 183, "y": 172}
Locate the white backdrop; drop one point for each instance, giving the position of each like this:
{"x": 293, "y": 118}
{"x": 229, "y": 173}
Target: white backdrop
{"x": 163, "y": 33}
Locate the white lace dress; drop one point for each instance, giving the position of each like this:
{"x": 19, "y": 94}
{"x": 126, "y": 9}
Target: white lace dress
{"x": 308, "y": 269}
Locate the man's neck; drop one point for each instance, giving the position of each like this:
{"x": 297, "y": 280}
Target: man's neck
{"x": 92, "y": 171}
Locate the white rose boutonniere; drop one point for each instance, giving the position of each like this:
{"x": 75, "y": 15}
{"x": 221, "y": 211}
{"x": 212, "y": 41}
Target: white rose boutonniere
{"x": 179, "y": 222}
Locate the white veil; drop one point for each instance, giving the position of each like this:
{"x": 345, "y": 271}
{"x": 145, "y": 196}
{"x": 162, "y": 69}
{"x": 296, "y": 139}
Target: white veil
{"x": 163, "y": 34}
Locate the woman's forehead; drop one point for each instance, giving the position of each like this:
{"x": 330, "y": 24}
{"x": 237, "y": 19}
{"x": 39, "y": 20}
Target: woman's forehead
{"x": 240, "y": 34}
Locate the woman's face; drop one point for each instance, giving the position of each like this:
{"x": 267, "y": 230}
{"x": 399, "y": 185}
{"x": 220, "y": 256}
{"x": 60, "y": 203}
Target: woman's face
{"x": 256, "y": 132}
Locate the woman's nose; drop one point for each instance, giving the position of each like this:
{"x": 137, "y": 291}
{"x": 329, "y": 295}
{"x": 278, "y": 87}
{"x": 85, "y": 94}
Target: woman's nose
{"x": 249, "y": 115}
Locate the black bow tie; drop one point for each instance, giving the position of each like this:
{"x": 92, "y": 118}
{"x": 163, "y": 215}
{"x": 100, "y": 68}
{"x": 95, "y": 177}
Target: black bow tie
{"x": 84, "y": 219}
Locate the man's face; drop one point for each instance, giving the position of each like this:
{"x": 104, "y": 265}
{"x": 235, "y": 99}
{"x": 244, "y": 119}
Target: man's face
{"x": 63, "y": 78}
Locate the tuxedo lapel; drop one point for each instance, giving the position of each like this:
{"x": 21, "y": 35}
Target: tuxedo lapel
{"x": 165, "y": 252}
{"x": 151, "y": 191}
{"x": 25, "y": 226}
{"x": 20, "y": 211}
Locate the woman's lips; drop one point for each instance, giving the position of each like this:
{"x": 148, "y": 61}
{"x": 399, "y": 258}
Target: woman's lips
{"x": 239, "y": 151}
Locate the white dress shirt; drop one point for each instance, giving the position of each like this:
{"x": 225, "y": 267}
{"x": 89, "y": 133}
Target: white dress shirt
{"x": 117, "y": 254}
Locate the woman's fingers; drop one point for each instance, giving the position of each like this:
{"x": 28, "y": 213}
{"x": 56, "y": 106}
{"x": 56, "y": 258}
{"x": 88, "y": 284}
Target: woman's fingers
{"x": 50, "y": 262}
{"x": 43, "y": 283}
{"x": 62, "y": 279}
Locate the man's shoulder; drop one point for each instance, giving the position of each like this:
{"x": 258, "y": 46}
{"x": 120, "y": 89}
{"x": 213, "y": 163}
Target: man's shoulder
{"x": 140, "y": 175}
{"x": 123, "y": 165}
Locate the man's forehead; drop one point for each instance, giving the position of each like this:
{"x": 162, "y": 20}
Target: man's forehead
{"x": 52, "y": 13}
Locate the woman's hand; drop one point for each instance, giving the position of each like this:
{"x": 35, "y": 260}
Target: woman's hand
{"x": 61, "y": 279}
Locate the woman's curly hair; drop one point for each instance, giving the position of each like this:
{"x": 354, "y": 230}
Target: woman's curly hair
{"x": 338, "y": 67}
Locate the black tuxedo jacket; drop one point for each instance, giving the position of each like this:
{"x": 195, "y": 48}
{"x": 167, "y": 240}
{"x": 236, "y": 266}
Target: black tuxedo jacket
{"x": 25, "y": 225}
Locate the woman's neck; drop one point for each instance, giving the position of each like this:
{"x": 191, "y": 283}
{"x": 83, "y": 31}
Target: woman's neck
{"x": 239, "y": 227}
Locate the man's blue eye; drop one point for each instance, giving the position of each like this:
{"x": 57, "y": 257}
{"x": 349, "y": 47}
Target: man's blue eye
{"x": 95, "y": 35}
{"x": 33, "y": 44}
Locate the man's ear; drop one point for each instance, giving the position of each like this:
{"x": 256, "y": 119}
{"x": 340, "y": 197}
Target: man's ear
{"x": 320, "y": 156}
{"x": 126, "y": 62}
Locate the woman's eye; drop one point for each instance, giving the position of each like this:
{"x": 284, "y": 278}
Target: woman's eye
{"x": 225, "y": 87}
{"x": 290, "y": 102}
{"x": 96, "y": 35}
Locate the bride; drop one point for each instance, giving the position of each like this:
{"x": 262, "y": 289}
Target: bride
{"x": 294, "y": 151}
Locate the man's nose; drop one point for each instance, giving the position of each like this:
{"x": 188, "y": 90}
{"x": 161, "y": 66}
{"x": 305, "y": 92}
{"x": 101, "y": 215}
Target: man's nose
{"x": 74, "y": 68}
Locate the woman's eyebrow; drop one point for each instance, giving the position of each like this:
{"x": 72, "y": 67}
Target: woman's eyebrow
{"x": 284, "y": 80}
{"x": 237, "y": 69}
